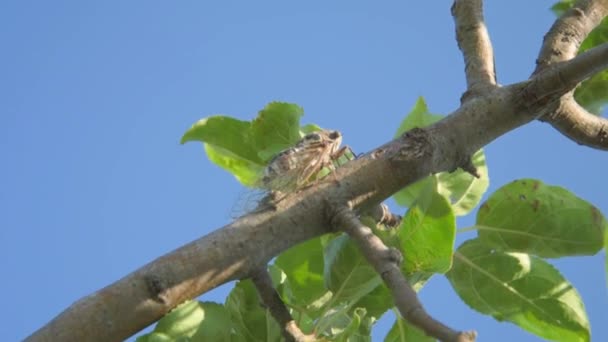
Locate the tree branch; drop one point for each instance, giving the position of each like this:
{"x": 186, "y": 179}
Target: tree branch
{"x": 263, "y": 283}
{"x": 474, "y": 42}
{"x": 564, "y": 38}
{"x": 386, "y": 262}
{"x": 562, "y": 43}
{"x": 578, "y": 124}
{"x": 563, "y": 77}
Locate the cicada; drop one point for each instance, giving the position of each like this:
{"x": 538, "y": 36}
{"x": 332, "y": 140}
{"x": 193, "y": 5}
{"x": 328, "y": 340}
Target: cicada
{"x": 297, "y": 166}
{"x": 313, "y": 157}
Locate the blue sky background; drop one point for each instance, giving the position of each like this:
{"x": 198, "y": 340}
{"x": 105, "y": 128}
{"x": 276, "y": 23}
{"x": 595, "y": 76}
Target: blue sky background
{"x": 94, "y": 97}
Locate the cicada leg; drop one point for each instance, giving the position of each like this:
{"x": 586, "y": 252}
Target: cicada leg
{"x": 343, "y": 156}
{"x": 339, "y": 158}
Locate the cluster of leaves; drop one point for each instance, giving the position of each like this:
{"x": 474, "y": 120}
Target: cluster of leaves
{"x": 593, "y": 93}
{"x": 333, "y": 292}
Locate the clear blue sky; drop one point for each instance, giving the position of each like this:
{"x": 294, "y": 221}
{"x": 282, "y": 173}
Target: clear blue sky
{"x": 94, "y": 97}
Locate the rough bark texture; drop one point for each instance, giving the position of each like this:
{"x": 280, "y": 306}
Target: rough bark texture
{"x": 561, "y": 44}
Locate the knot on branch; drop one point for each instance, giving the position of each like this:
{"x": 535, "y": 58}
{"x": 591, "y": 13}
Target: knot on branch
{"x": 157, "y": 287}
{"x": 416, "y": 144}
{"x": 467, "y": 166}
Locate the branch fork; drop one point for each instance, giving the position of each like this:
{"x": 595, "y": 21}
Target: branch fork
{"x": 386, "y": 262}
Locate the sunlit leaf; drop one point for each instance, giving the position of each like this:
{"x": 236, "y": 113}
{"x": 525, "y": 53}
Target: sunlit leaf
{"x": 225, "y": 132}
{"x": 342, "y": 324}
{"x": 549, "y": 221}
{"x": 192, "y": 320}
{"x": 309, "y": 129}
{"x": 519, "y": 288}
{"x": 244, "y": 148}
{"x": 244, "y": 170}
{"x": 276, "y": 127}
{"x": 216, "y": 324}
{"x": 419, "y": 117}
{"x": 463, "y": 190}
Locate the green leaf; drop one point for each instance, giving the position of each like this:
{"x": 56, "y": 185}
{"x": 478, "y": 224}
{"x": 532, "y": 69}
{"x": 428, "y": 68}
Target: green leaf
{"x": 403, "y": 331}
{"x": 224, "y": 132}
{"x": 277, "y": 126}
{"x": 245, "y": 171}
{"x": 342, "y": 324}
{"x": 519, "y": 288}
{"x": 462, "y": 189}
{"x": 562, "y": 6}
{"x": 408, "y": 195}
{"x": 303, "y": 266}
{"x": 183, "y": 322}
{"x": 216, "y": 325}
{"x": 419, "y": 117}
{"x": 593, "y": 93}
{"x": 427, "y": 235}
{"x": 347, "y": 274}
{"x": 251, "y": 321}
{"x": 377, "y": 302}
{"x": 606, "y": 253}
{"x": 244, "y": 148}
{"x": 280, "y": 283}
{"x": 309, "y": 129}
{"x": 549, "y": 221}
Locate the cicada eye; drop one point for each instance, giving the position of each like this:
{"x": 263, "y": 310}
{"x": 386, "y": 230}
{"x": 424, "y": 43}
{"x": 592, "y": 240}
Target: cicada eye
{"x": 333, "y": 135}
{"x": 313, "y": 137}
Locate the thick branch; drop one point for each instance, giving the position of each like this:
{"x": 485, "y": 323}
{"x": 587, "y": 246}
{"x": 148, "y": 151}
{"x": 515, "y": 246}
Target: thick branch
{"x": 551, "y": 84}
{"x": 474, "y": 42}
{"x": 562, "y": 43}
{"x": 263, "y": 283}
{"x": 386, "y": 262}
{"x": 578, "y": 124}
{"x": 566, "y": 115}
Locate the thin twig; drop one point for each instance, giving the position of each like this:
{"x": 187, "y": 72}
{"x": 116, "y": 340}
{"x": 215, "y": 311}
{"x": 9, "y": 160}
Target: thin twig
{"x": 474, "y": 42}
{"x": 386, "y": 262}
{"x": 263, "y": 283}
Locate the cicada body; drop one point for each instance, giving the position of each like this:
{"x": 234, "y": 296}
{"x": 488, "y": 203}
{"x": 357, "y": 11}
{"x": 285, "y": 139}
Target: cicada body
{"x": 297, "y": 166}
{"x": 313, "y": 157}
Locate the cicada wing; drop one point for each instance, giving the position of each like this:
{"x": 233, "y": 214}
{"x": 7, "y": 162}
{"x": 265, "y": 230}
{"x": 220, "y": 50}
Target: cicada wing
{"x": 247, "y": 201}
